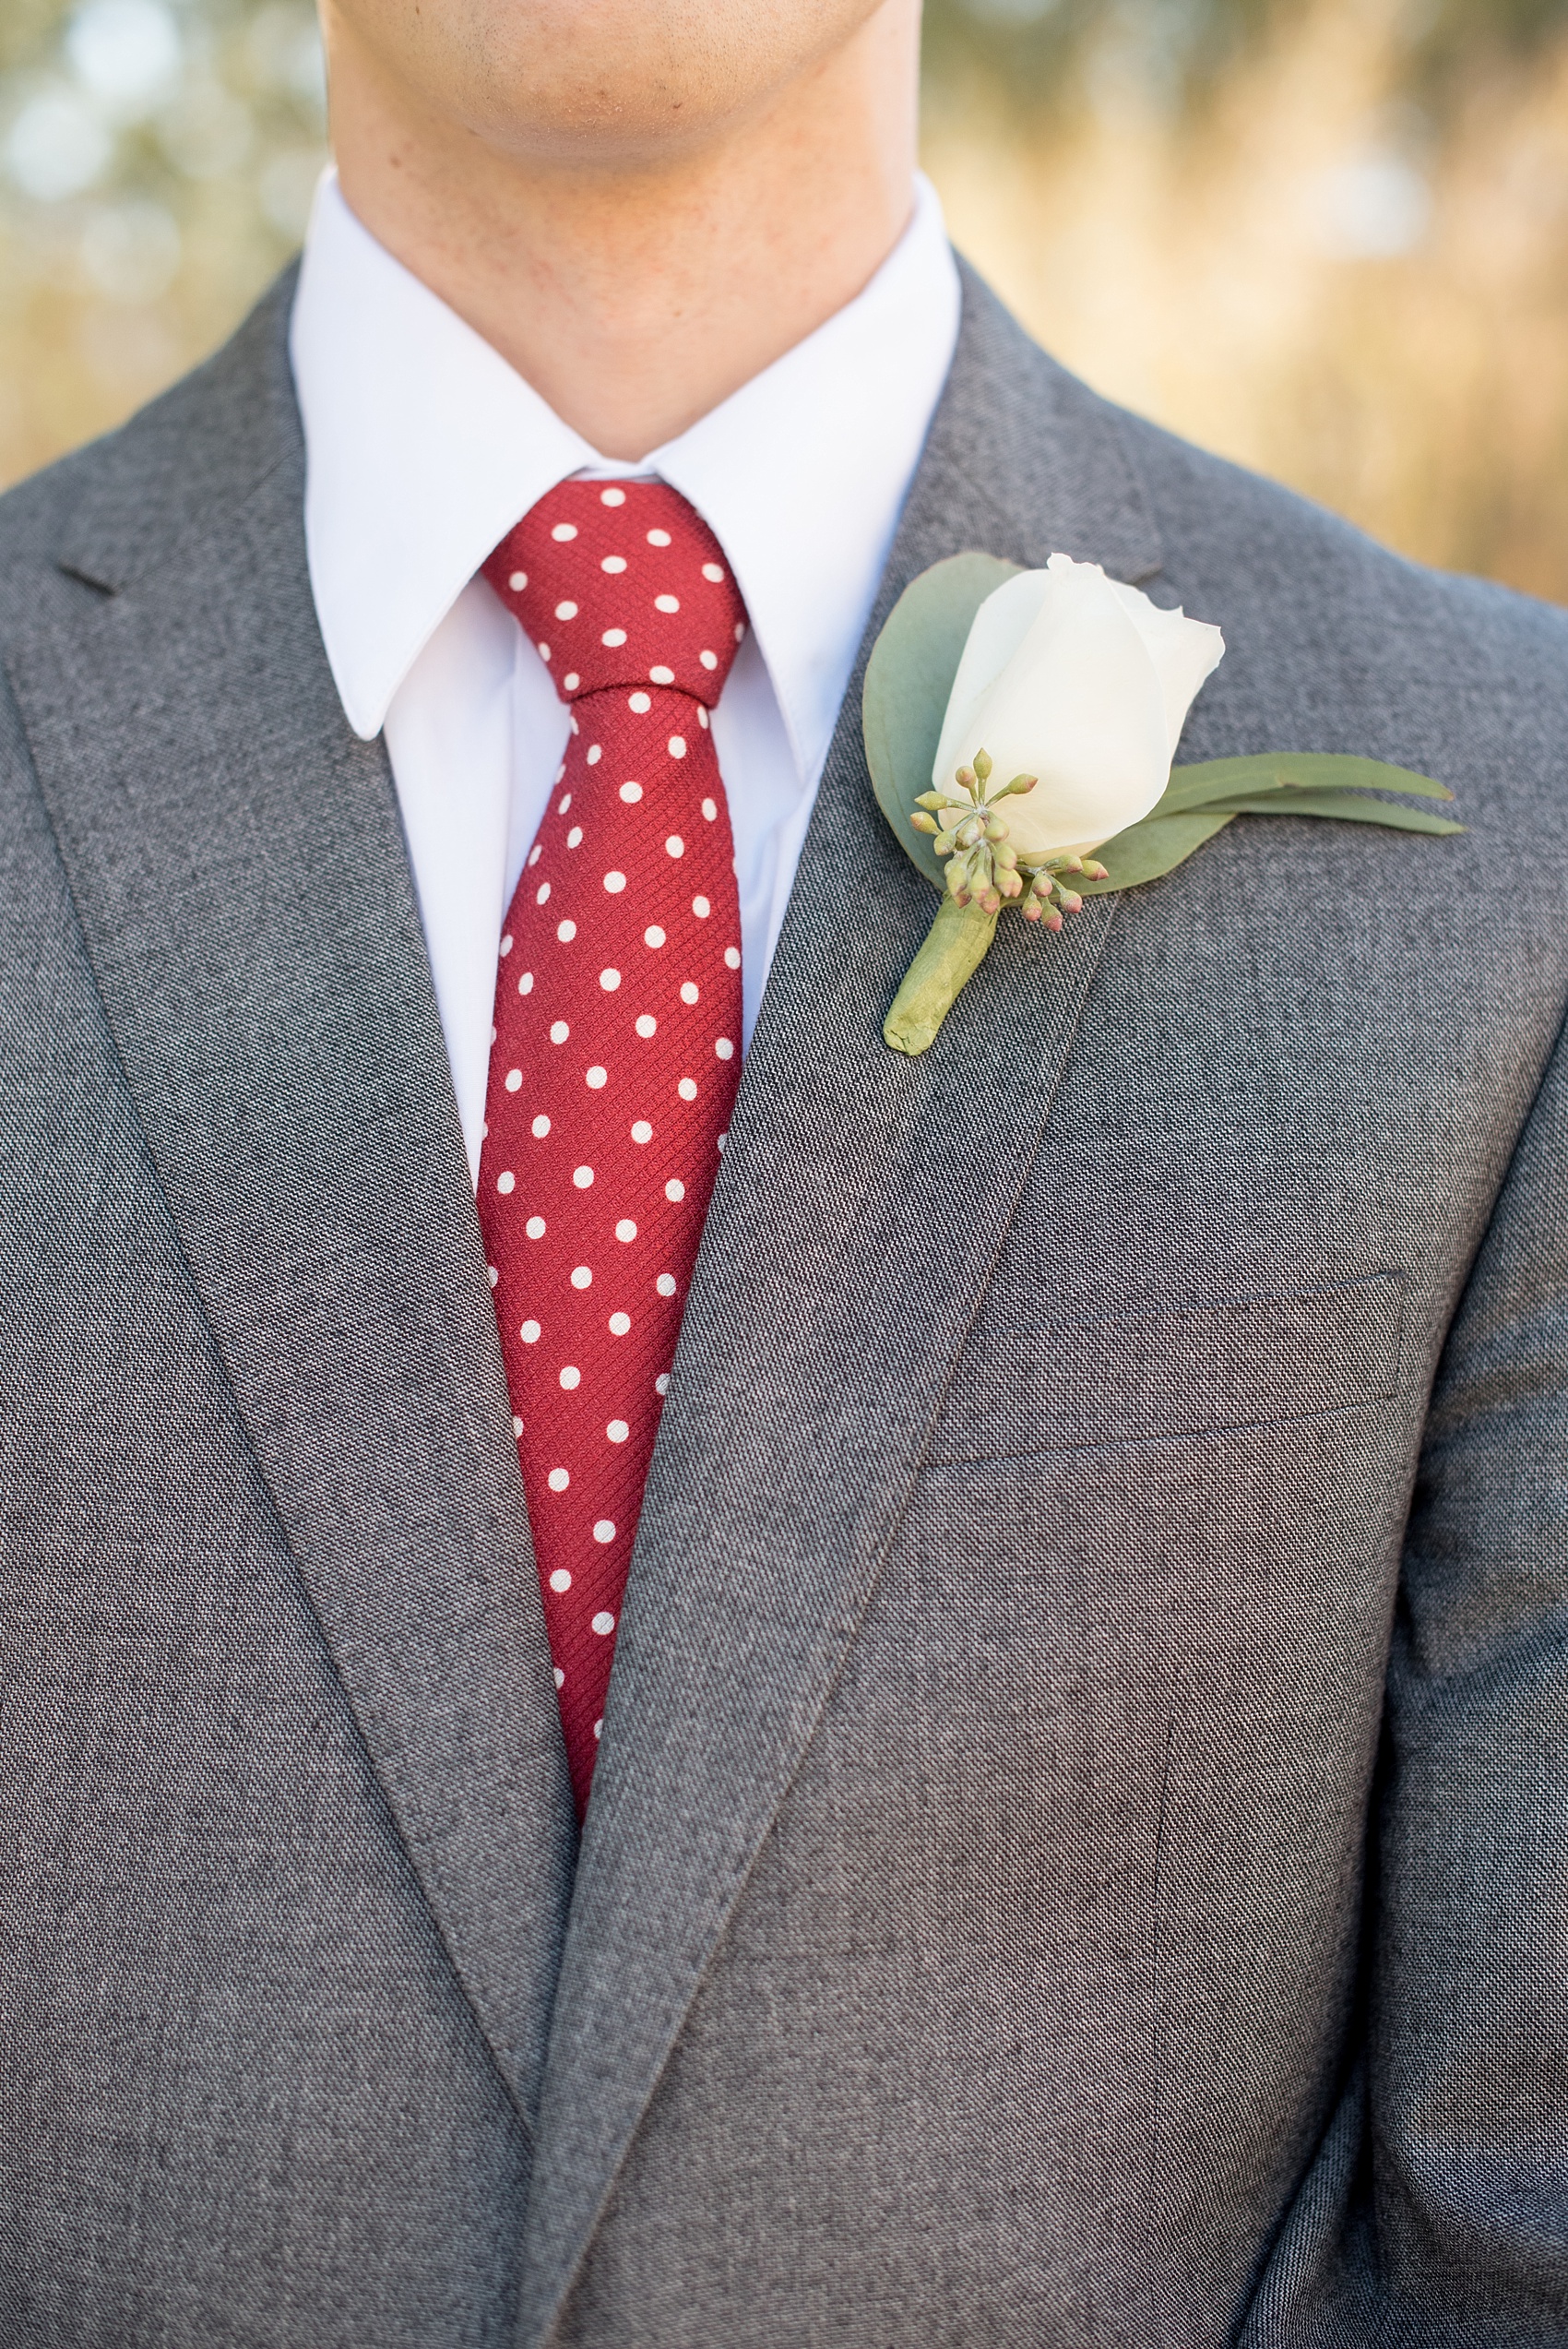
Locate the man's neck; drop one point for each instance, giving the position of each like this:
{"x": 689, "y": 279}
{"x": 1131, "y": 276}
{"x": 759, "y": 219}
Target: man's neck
{"x": 635, "y": 296}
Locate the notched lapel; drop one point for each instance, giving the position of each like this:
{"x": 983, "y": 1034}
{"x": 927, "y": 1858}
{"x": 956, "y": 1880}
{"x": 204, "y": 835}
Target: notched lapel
{"x": 862, "y": 1204}
{"x": 245, "y": 892}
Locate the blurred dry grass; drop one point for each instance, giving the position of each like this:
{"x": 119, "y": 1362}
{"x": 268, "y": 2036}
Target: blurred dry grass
{"x": 1316, "y": 258}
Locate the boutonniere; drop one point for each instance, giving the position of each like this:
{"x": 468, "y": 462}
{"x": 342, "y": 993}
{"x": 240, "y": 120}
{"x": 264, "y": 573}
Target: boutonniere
{"x": 1020, "y": 728}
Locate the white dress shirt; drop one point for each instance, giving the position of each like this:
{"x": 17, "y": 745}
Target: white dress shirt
{"x": 423, "y": 447}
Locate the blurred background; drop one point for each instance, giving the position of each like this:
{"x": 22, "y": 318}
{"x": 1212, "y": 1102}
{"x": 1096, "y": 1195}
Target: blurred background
{"x": 1327, "y": 237}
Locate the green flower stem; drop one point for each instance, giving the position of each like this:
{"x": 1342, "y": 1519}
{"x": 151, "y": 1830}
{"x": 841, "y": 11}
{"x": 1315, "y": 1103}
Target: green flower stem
{"x": 953, "y": 952}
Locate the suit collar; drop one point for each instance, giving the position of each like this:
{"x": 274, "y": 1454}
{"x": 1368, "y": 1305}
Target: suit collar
{"x": 235, "y": 858}
{"x": 861, "y": 1206}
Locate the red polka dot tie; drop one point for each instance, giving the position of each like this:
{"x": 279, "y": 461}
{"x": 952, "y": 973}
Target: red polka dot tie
{"x": 617, "y": 1047}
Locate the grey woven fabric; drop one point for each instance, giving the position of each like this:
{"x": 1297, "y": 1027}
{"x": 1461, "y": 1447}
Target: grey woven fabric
{"x": 1079, "y": 1853}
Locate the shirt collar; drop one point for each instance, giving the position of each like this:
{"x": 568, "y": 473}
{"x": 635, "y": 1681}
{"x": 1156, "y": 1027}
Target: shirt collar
{"x": 423, "y": 447}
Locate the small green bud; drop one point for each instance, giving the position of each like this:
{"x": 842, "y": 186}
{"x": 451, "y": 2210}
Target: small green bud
{"x": 1069, "y": 899}
{"x": 1030, "y": 908}
{"x": 1041, "y": 885}
{"x": 983, "y": 766}
{"x": 968, "y": 832}
{"x": 1006, "y": 856}
{"x": 964, "y": 778}
{"x": 1010, "y": 884}
{"x": 995, "y": 829}
{"x": 991, "y": 903}
{"x": 1020, "y": 783}
{"x": 1052, "y": 919}
{"x": 923, "y": 823}
{"x": 933, "y": 800}
{"x": 1094, "y": 872}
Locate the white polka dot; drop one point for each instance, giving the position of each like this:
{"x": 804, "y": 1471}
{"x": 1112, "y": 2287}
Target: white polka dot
{"x": 661, "y": 1384}
{"x": 595, "y": 1078}
{"x": 710, "y": 810}
{"x": 534, "y": 1227}
{"x": 667, "y": 603}
{"x": 610, "y": 979}
{"x": 582, "y": 1276}
{"x": 740, "y": 630}
{"x": 642, "y": 1131}
{"x": 518, "y": 581}
{"x": 564, "y": 531}
{"x": 613, "y": 638}
{"x": 559, "y": 1031}
{"x": 615, "y": 883}
{"x": 689, "y": 991}
{"x": 677, "y": 746}
{"x": 708, "y": 659}
{"x": 560, "y": 775}
{"x": 494, "y": 1272}
{"x": 631, "y": 794}
{"x": 613, "y": 563}
{"x": 506, "y": 1184}
{"x": 535, "y": 852}
{"x": 570, "y": 1376}
{"x": 639, "y": 702}
{"x": 625, "y": 1230}
{"x": 560, "y": 1580}
{"x": 653, "y": 935}
{"x": 529, "y": 1334}
{"x": 646, "y": 1024}
{"x": 517, "y": 1424}
{"x": 675, "y": 1189}
{"x": 544, "y": 651}
{"x": 541, "y": 1126}
{"x": 665, "y": 1285}
{"x": 612, "y": 498}
{"x": 570, "y": 682}
{"x": 673, "y": 846}
{"x": 574, "y": 837}
{"x": 598, "y": 1731}
{"x": 505, "y": 946}
{"x": 559, "y": 1677}
{"x": 583, "y": 1178}
{"x": 718, "y": 1145}
{"x": 558, "y": 1479}
{"x": 731, "y": 957}
{"x": 565, "y": 932}
{"x": 713, "y": 571}
{"x": 565, "y": 799}
{"x": 702, "y": 718}
{"x": 595, "y": 753}
{"x": 514, "y": 1079}
{"x": 661, "y": 676}
{"x": 603, "y": 1623}
{"x": 723, "y": 1048}
{"x": 619, "y": 1324}
{"x": 687, "y": 1088}
{"x": 524, "y": 984}
{"x": 701, "y": 908}
{"x": 566, "y": 612}
{"x": 617, "y": 1431}
{"x": 659, "y": 538}
{"x": 541, "y": 895}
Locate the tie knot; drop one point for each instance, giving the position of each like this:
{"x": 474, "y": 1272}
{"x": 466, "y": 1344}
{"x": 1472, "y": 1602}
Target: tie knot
{"x": 622, "y": 584}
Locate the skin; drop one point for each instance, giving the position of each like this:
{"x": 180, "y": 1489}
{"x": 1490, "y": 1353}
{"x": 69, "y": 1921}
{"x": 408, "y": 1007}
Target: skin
{"x": 639, "y": 203}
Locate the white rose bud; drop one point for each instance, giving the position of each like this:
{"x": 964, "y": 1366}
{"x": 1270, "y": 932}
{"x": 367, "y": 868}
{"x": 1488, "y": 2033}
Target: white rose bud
{"x": 1071, "y": 677}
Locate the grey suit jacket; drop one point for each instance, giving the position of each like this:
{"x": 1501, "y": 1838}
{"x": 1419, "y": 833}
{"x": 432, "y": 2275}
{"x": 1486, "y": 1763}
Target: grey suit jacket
{"x": 1080, "y": 1846}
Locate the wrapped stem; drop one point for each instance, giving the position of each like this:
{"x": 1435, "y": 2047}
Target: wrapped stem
{"x": 953, "y": 951}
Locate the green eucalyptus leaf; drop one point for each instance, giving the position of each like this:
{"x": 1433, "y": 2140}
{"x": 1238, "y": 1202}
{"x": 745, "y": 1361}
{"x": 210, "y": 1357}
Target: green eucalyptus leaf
{"x": 909, "y": 678}
{"x": 1233, "y": 779}
{"x": 1346, "y": 809}
{"x": 1146, "y": 851}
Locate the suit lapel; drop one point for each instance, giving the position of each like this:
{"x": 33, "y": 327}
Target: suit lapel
{"x": 862, "y": 1203}
{"x": 235, "y": 857}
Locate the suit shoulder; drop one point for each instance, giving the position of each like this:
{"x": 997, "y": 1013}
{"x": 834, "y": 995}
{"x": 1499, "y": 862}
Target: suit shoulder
{"x": 108, "y": 510}
{"x": 1219, "y": 519}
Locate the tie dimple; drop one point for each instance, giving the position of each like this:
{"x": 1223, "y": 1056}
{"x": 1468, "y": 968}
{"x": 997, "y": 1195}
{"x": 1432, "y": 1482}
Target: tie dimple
{"x": 617, "y": 1036}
